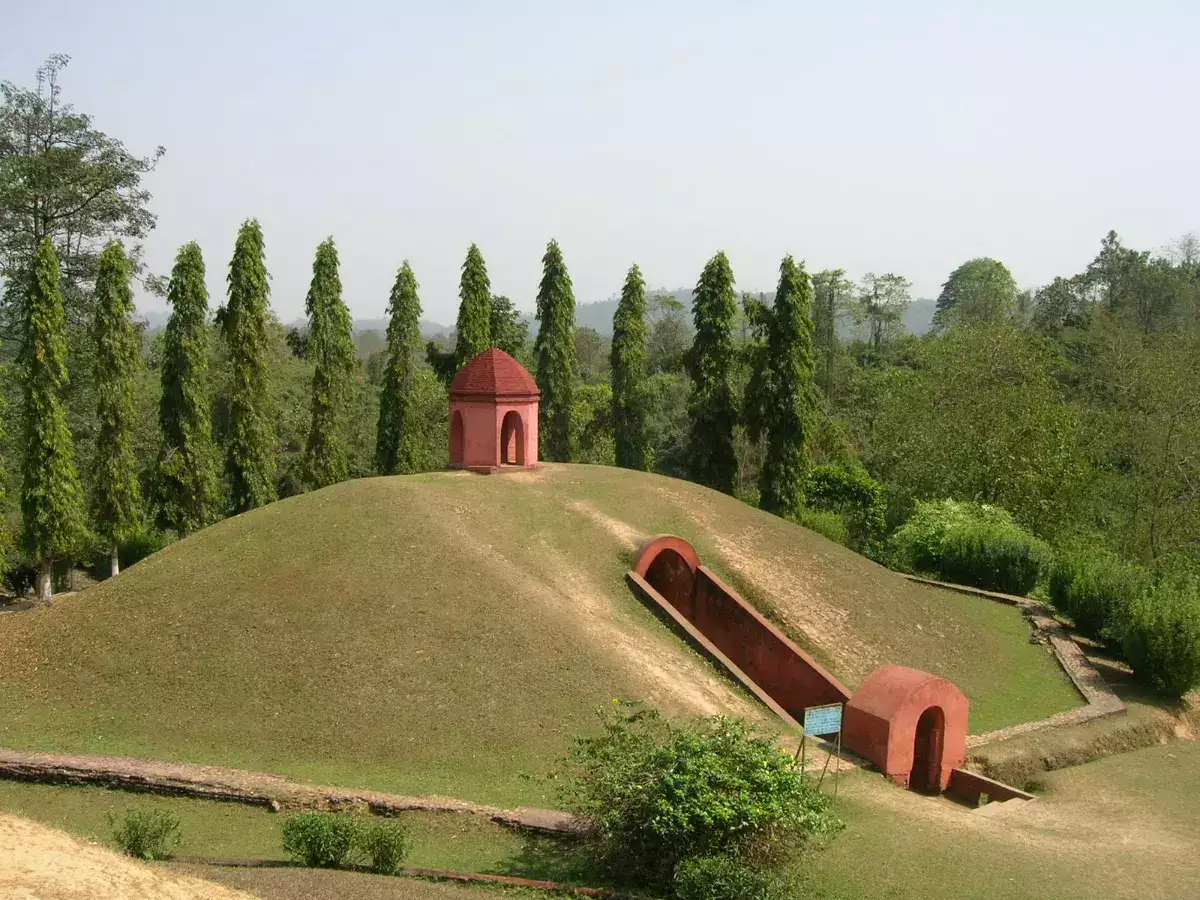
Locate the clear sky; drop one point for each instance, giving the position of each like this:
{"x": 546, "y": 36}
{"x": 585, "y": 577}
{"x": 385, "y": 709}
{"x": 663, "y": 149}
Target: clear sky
{"x": 878, "y": 136}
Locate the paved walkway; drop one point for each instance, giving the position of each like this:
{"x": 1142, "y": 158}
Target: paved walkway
{"x": 256, "y": 788}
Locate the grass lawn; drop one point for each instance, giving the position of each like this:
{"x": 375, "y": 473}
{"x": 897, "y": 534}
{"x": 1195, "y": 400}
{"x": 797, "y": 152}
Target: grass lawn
{"x": 1126, "y": 825}
{"x": 449, "y": 633}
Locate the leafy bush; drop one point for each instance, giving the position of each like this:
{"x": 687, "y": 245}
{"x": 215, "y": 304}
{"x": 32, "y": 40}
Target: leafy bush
{"x": 653, "y": 793}
{"x": 970, "y": 543}
{"x": 857, "y": 497}
{"x": 146, "y": 833}
{"x": 1096, "y": 588}
{"x": 324, "y": 840}
{"x": 384, "y": 843}
{"x": 824, "y": 523}
{"x": 725, "y": 878}
{"x": 1162, "y": 636}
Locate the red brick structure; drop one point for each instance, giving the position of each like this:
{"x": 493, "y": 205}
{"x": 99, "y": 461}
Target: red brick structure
{"x": 671, "y": 568}
{"x": 493, "y": 415}
{"x": 911, "y": 724}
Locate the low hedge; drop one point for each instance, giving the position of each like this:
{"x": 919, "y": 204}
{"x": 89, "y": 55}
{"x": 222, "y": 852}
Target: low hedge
{"x": 970, "y": 543}
{"x": 857, "y": 498}
{"x": 1162, "y": 636}
{"x": 1097, "y": 589}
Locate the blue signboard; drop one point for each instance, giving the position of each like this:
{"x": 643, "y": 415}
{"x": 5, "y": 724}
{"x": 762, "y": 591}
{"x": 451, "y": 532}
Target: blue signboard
{"x": 820, "y": 720}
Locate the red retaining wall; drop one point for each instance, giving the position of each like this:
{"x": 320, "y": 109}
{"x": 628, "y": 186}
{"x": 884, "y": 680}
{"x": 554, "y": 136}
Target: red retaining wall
{"x": 782, "y": 670}
{"x": 968, "y": 786}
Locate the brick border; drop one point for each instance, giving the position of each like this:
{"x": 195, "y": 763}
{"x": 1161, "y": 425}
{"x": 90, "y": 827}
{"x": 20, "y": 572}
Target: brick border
{"x": 252, "y": 788}
{"x": 1100, "y": 699}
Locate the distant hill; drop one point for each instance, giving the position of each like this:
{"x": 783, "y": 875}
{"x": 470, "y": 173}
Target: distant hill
{"x": 918, "y": 318}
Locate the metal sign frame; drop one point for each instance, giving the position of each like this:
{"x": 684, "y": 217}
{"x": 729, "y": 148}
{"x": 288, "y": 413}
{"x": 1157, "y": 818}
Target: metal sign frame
{"x": 822, "y": 717}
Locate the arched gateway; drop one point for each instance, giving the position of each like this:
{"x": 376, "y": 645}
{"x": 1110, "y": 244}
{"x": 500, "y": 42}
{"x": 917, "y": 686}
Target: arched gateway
{"x": 493, "y": 415}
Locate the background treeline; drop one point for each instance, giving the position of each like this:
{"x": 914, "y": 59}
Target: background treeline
{"x": 1062, "y": 422}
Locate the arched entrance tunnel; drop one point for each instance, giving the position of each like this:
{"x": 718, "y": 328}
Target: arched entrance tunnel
{"x": 925, "y": 776}
{"x": 909, "y": 723}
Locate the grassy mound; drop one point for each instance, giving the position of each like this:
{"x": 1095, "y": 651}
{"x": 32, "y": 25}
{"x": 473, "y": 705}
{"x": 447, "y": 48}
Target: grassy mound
{"x": 447, "y": 633}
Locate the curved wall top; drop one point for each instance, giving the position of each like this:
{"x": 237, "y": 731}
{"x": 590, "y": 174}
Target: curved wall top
{"x": 651, "y": 547}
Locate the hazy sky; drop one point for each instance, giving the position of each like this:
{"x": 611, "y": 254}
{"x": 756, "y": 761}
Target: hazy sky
{"x": 901, "y": 137}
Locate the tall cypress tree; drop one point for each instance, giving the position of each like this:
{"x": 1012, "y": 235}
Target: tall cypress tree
{"x": 394, "y": 440}
{"x": 331, "y": 348}
{"x": 186, "y": 482}
{"x": 712, "y": 410}
{"x": 474, "y": 309}
{"x": 628, "y": 361}
{"x": 250, "y": 455}
{"x": 117, "y": 497}
{"x": 789, "y": 410}
{"x": 51, "y": 502}
{"x": 555, "y": 353}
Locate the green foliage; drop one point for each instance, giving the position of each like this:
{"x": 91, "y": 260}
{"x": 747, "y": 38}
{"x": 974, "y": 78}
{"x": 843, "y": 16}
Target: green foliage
{"x": 320, "y": 839}
{"x": 508, "y": 332}
{"x": 857, "y": 497}
{"x": 980, "y": 291}
{"x": 980, "y": 417}
{"x": 250, "y": 451}
{"x": 331, "y": 349}
{"x": 781, "y": 391}
{"x": 1096, "y": 588}
{"x": 555, "y": 353}
{"x": 384, "y": 843}
{"x": 882, "y": 300}
{"x": 627, "y": 359}
{"x": 474, "y": 309}
{"x": 396, "y": 444}
{"x": 725, "y": 878}
{"x": 116, "y": 492}
{"x": 712, "y": 409}
{"x": 63, "y": 179}
{"x": 667, "y": 423}
{"x": 328, "y": 840}
{"x": 828, "y": 524}
{"x": 591, "y": 425}
{"x": 970, "y": 543}
{"x": 1162, "y": 636}
{"x": 654, "y": 794}
{"x": 52, "y": 523}
{"x": 146, "y": 833}
{"x": 185, "y": 490}
{"x": 832, "y": 303}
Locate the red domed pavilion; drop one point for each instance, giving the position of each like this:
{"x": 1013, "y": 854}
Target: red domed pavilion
{"x": 493, "y": 414}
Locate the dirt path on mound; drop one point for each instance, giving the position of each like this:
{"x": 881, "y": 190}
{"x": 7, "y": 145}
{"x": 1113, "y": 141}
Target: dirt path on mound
{"x": 41, "y": 863}
{"x": 255, "y": 788}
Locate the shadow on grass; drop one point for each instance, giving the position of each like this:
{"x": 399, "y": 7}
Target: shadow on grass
{"x": 561, "y": 859}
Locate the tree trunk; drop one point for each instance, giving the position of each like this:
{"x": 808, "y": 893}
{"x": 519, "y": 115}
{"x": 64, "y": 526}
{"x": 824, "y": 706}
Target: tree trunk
{"x": 43, "y": 582}
{"x": 116, "y": 563}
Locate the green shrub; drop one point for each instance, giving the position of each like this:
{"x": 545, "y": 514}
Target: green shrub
{"x": 857, "y": 498}
{"x": 653, "y": 793}
{"x": 827, "y": 524}
{"x": 146, "y": 833}
{"x": 1162, "y": 636}
{"x": 725, "y": 878}
{"x": 384, "y": 844}
{"x": 1096, "y": 588}
{"x": 323, "y": 840}
{"x": 970, "y": 543}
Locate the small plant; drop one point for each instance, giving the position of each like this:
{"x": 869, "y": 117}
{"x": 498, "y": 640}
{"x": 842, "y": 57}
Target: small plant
{"x": 828, "y": 524}
{"x": 1162, "y": 636}
{"x": 384, "y": 843}
{"x": 653, "y": 793}
{"x": 984, "y": 800}
{"x": 725, "y": 878}
{"x": 970, "y": 543}
{"x": 146, "y": 833}
{"x": 322, "y": 840}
